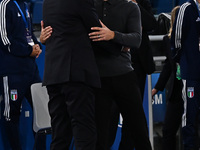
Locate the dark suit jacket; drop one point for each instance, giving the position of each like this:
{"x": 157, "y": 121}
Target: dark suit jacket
{"x": 144, "y": 55}
{"x": 69, "y": 55}
{"x": 169, "y": 68}
{"x": 168, "y": 73}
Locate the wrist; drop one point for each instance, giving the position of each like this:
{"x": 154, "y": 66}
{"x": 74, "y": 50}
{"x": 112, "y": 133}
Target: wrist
{"x": 42, "y": 41}
{"x": 113, "y": 35}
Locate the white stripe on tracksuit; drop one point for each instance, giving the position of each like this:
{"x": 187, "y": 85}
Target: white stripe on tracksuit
{"x": 6, "y": 98}
{"x": 184, "y": 97}
{"x": 178, "y": 35}
{"x": 3, "y": 32}
{"x": 5, "y": 41}
{"x": 179, "y": 23}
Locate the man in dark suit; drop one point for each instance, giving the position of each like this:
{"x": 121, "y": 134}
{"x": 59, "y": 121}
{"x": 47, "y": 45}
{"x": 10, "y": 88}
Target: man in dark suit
{"x": 71, "y": 72}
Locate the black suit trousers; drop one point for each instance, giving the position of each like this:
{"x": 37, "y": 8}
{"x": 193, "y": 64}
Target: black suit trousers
{"x": 71, "y": 108}
{"x": 126, "y": 141}
{"x": 125, "y": 92}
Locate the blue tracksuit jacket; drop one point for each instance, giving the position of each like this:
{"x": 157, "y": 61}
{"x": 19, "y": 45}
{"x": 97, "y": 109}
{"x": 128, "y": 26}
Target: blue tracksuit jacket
{"x": 14, "y": 49}
{"x": 185, "y": 36}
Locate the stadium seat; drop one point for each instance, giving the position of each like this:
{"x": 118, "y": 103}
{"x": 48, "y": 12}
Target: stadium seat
{"x": 41, "y": 117}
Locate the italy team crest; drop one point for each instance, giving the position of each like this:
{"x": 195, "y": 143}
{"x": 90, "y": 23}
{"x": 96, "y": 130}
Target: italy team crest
{"x": 190, "y": 92}
{"x": 13, "y": 95}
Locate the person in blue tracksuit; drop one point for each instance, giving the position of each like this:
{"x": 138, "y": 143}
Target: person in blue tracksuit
{"x": 18, "y": 69}
{"x": 185, "y": 49}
